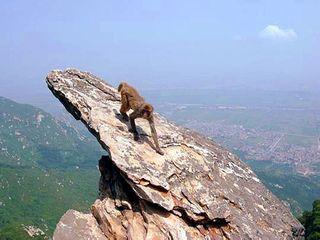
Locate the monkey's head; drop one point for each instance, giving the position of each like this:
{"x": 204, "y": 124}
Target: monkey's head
{"x": 146, "y": 111}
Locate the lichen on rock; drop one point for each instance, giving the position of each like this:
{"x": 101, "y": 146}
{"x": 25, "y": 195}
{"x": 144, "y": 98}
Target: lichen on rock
{"x": 197, "y": 190}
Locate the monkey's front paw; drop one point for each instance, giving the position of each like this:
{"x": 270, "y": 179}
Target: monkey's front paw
{"x": 136, "y": 137}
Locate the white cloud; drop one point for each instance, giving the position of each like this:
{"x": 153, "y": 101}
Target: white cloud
{"x": 274, "y": 32}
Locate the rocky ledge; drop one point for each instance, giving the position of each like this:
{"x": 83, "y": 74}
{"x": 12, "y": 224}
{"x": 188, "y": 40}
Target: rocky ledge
{"x": 196, "y": 190}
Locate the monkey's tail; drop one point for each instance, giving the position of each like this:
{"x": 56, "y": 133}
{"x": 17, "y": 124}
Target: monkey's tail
{"x": 121, "y": 85}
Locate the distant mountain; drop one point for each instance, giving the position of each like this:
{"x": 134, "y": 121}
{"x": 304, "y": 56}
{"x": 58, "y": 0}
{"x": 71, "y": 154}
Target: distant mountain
{"x": 46, "y": 167}
{"x": 31, "y": 137}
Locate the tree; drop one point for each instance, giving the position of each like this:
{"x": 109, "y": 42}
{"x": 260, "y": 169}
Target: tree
{"x": 311, "y": 222}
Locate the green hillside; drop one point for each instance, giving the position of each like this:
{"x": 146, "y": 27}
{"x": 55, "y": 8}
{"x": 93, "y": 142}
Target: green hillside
{"x": 46, "y": 167}
{"x": 297, "y": 190}
{"x": 311, "y": 222}
{"x": 31, "y": 137}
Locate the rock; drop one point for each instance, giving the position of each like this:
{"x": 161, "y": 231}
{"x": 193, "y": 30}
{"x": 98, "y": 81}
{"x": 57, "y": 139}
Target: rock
{"x": 76, "y": 225}
{"x": 197, "y": 190}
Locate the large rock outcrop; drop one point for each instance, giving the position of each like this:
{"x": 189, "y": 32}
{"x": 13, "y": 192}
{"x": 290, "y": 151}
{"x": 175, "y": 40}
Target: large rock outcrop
{"x": 197, "y": 190}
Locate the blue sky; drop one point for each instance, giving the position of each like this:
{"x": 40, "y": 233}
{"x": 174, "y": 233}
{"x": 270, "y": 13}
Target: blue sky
{"x": 162, "y": 44}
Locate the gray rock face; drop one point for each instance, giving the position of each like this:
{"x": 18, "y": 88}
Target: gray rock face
{"x": 76, "y": 225}
{"x": 197, "y": 190}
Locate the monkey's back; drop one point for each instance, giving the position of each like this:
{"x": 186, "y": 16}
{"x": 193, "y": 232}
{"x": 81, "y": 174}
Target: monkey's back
{"x": 131, "y": 95}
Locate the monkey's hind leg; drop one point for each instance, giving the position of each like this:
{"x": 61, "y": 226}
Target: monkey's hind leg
{"x": 133, "y": 129}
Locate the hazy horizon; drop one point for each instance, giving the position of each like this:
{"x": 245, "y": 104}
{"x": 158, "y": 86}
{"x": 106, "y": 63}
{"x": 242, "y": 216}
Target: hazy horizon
{"x": 162, "y": 44}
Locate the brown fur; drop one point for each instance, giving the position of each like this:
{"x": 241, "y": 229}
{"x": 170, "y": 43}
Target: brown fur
{"x": 131, "y": 99}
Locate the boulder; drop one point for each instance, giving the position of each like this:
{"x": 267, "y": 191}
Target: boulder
{"x": 77, "y": 225}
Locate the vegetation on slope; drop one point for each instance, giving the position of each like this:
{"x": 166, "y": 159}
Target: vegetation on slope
{"x": 31, "y": 137}
{"x": 299, "y": 191}
{"x": 46, "y": 168}
{"x": 311, "y": 222}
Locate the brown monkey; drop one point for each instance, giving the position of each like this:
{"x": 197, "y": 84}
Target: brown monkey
{"x": 131, "y": 99}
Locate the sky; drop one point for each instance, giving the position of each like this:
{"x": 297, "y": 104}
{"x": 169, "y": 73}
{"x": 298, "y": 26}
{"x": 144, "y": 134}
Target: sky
{"x": 256, "y": 44}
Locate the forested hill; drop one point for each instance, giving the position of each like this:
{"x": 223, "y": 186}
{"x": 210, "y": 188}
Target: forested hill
{"x": 32, "y": 137}
{"x": 46, "y": 167}
{"x": 311, "y": 222}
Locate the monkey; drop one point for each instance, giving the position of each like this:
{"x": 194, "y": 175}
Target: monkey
{"x": 131, "y": 99}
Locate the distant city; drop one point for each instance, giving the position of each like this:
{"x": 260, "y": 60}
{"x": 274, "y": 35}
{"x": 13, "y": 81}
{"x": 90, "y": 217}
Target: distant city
{"x": 285, "y": 130}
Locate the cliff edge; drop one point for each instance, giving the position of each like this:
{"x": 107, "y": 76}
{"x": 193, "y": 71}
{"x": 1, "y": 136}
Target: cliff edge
{"x": 197, "y": 190}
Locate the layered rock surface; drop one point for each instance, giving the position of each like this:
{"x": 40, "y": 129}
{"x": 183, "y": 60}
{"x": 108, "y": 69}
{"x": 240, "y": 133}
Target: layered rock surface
{"x": 196, "y": 190}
